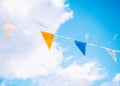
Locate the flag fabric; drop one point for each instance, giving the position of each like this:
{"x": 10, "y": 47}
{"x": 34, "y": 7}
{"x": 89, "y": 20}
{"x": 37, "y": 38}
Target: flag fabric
{"x": 111, "y": 53}
{"x": 48, "y": 37}
{"x": 8, "y": 28}
{"x": 81, "y": 46}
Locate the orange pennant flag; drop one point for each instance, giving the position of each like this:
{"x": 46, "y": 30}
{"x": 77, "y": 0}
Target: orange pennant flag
{"x": 48, "y": 37}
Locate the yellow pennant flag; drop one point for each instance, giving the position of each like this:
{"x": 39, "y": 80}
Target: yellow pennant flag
{"x": 8, "y": 28}
{"x": 48, "y": 37}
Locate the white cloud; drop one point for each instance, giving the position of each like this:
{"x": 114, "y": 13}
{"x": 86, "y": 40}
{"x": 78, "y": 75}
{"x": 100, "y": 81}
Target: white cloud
{"x": 26, "y": 51}
{"x": 114, "y": 82}
{"x": 58, "y": 3}
{"x": 87, "y": 36}
{"x": 39, "y": 62}
{"x": 83, "y": 72}
{"x": 48, "y": 14}
{"x": 115, "y": 36}
{"x": 68, "y": 58}
{"x": 56, "y": 80}
{"x": 13, "y": 7}
{"x": 75, "y": 75}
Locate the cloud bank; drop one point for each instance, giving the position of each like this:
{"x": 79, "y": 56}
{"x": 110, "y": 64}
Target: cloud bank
{"x": 114, "y": 82}
{"x": 48, "y": 14}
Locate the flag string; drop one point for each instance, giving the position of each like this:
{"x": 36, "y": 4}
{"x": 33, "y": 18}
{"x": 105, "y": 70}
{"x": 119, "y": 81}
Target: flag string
{"x": 48, "y": 37}
{"x": 91, "y": 44}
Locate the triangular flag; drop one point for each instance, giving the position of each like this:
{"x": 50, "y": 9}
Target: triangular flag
{"x": 111, "y": 53}
{"x": 48, "y": 37}
{"x": 8, "y": 28}
{"x": 81, "y": 46}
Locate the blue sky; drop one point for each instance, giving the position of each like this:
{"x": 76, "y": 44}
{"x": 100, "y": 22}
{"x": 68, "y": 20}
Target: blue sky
{"x": 25, "y": 59}
{"x": 100, "y": 21}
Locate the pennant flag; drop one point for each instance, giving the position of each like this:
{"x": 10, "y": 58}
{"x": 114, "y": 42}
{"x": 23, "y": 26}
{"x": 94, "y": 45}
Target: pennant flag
{"x": 8, "y": 28}
{"x": 48, "y": 37}
{"x": 111, "y": 53}
{"x": 81, "y": 46}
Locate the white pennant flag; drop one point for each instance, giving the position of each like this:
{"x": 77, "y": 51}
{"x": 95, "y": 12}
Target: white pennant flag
{"x": 111, "y": 53}
{"x": 8, "y": 28}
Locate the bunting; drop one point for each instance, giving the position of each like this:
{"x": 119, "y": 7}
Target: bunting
{"x": 8, "y": 29}
{"x": 81, "y": 46}
{"x": 111, "y": 53}
{"x": 48, "y": 37}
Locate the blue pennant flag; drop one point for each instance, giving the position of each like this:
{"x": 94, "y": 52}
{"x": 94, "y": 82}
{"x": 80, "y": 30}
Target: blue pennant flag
{"x": 81, "y": 46}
